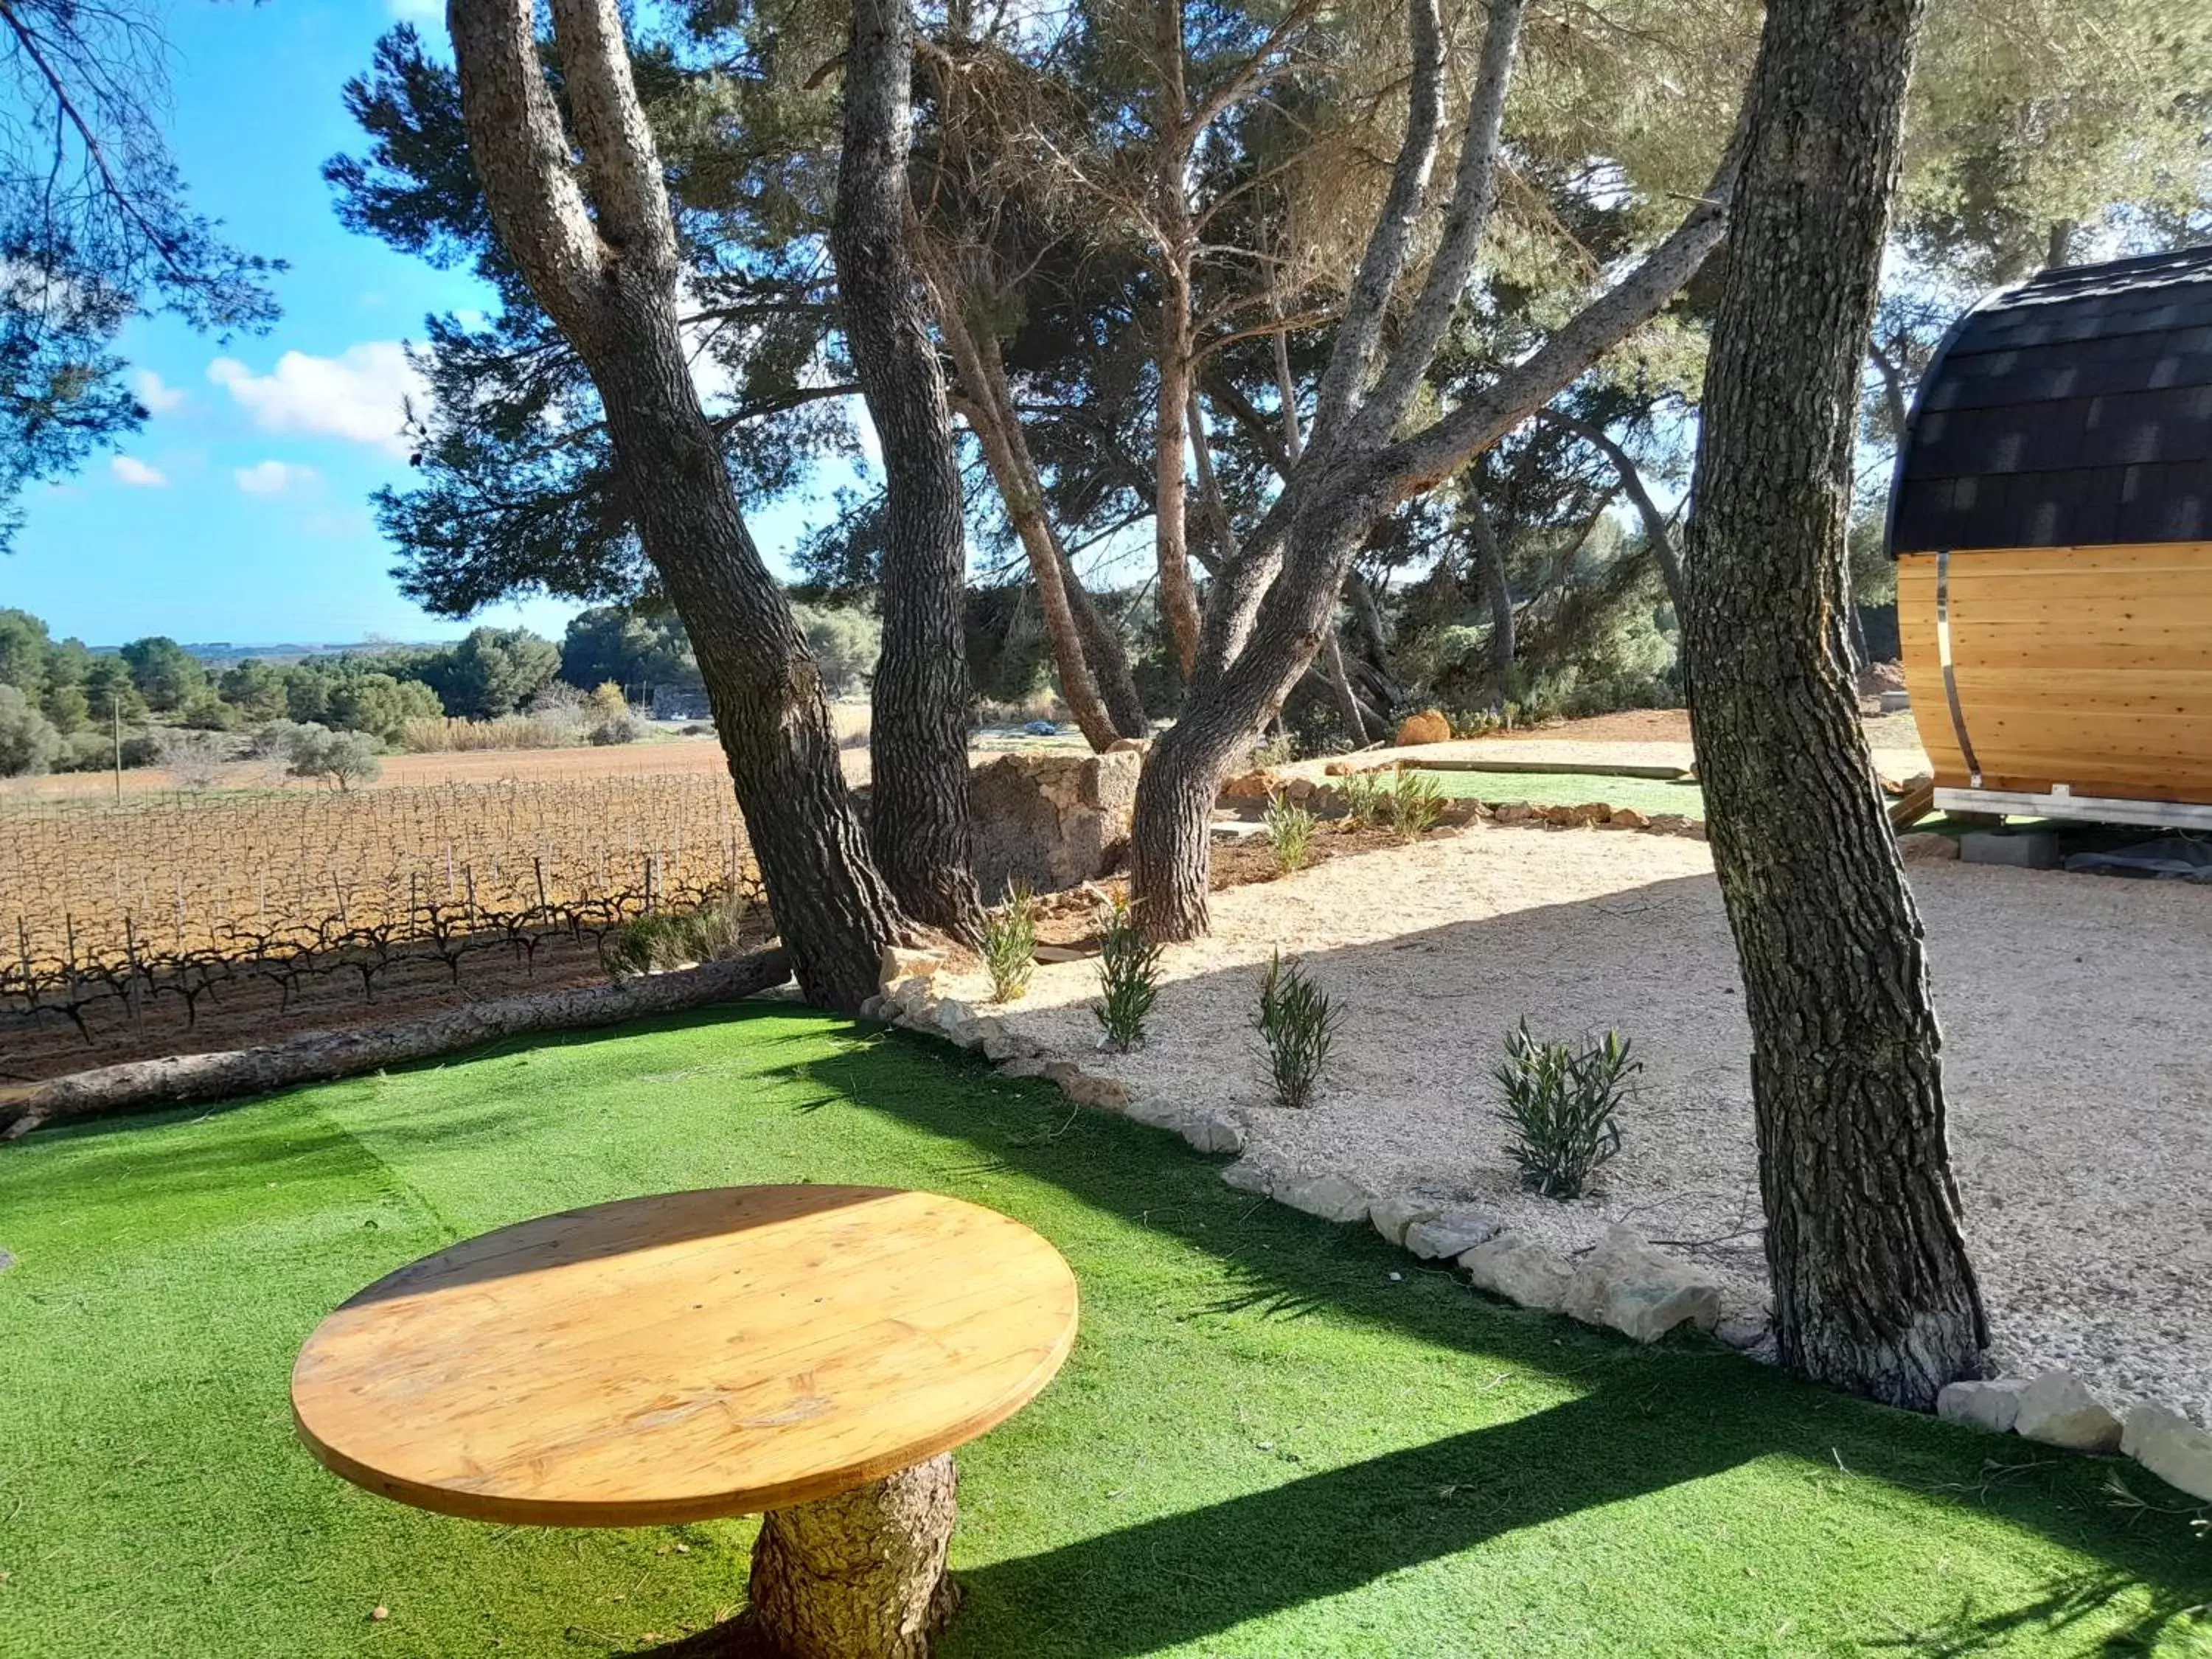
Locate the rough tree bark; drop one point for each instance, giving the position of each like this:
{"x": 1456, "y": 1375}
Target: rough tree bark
{"x": 918, "y": 804}
{"x": 597, "y": 245}
{"x": 1269, "y": 608}
{"x": 1873, "y": 1290}
{"x": 859, "y": 1575}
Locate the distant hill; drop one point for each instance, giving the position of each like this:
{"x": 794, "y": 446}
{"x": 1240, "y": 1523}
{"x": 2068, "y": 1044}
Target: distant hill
{"x": 224, "y": 653}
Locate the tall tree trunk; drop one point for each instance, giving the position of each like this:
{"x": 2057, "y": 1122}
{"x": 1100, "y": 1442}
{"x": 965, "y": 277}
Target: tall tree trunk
{"x": 604, "y": 266}
{"x": 1497, "y": 590}
{"x": 1167, "y": 845}
{"x": 1372, "y": 639}
{"x": 1025, "y": 509}
{"x": 1103, "y": 647}
{"x": 1177, "y": 243}
{"x": 1340, "y": 684}
{"x": 1094, "y": 674}
{"x": 1873, "y": 1290}
{"x": 1270, "y": 607}
{"x": 1170, "y": 489}
{"x": 918, "y": 809}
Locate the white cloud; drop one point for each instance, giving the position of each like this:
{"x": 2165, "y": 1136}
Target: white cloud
{"x": 130, "y": 470}
{"x": 155, "y": 392}
{"x": 418, "y": 11}
{"x": 274, "y": 477}
{"x": 357, "y": 395}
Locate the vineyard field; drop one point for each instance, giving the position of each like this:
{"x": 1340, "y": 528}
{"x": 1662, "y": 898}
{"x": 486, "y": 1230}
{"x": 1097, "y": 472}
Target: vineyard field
{"x": 132, "y": 917}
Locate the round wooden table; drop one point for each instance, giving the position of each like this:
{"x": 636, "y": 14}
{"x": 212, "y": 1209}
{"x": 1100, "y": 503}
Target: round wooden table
{"x": 814, "y": 1352}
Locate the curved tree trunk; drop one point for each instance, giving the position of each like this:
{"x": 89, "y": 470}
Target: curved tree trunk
{"x": 1656, "y": 530}
{"x": 1169, "y": 859}
{"x": 605, "y": 267}
{"x": 858, "y": 1575}
{"x": 831, "y": 907}
{"x": 918, "y": 806}
{"x": 1102, "y": 648}
{"x": 1372, "y": 638}
{"x": 1353, "y": 468}
{"x": 989, "y": 408}
{"x": 1171, "y": 486}
{"x": 1873, "y": 1290}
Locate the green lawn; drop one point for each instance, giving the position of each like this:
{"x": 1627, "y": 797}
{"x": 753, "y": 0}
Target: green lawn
{"x": 1276, "y": 1436}
{"x": 1651, "y": 796}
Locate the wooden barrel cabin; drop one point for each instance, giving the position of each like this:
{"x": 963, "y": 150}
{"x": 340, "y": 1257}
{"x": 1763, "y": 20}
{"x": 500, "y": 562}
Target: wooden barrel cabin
{"x": 2051, "y": 522}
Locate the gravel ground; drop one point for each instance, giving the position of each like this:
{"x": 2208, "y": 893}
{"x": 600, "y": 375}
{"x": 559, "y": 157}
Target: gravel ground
{"x": 2077, "y": 1013}
{"x": 1897, "y": 751}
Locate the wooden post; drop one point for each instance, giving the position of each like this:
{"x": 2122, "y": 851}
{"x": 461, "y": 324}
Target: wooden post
{"x": 858, "y": 1575}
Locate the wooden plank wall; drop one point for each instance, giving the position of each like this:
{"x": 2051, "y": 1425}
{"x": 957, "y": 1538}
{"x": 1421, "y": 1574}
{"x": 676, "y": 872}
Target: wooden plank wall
{"x": 2086, "y": 666}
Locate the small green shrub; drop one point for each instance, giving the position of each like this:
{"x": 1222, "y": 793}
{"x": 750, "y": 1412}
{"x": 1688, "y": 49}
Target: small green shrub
{"x": 1414, "y": 803}
{"x": 609, "y": 715}
{"x": 1128, "y": 979}
{"x": 1561, "y": 1102}
{"x": 1009, "y": 943}
{"x": 1363, "y": 795}
{"x": 661, "y": 939}
{"x": 339, "y": 758}
{"x": 29, "y": 745}
{"x": 1297, "y": 1022}
{"x": 1289, "y": 832}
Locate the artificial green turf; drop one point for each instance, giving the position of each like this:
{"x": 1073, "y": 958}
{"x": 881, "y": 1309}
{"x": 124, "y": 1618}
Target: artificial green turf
{"x": 1276, "y": 1436}
{"x": 1651, "y": 796}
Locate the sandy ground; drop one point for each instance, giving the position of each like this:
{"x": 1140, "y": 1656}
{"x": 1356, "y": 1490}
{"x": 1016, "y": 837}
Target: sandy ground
{"x": 2076, "y": 1012}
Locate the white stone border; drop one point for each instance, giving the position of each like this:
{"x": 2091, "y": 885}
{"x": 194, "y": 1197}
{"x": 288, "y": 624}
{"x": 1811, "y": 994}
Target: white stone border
{"x": 1622, "y": 1282}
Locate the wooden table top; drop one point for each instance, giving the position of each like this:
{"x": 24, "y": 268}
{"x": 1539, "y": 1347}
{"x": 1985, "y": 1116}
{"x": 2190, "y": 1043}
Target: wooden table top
{"x": 686, "y": 1355}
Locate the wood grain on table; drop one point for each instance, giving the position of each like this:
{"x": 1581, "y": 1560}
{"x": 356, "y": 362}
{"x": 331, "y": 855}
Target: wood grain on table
{"x": 686, "y": 1355}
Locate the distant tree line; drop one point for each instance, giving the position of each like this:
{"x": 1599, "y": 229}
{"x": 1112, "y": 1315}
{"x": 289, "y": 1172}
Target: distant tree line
{"x": 639, "y": 650}
{"x": 63, "y": 704}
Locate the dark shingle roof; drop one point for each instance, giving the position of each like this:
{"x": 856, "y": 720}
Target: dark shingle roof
{"x": 2073, "y": 410}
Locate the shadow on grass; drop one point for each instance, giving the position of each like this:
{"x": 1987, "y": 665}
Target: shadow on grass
{"x": 1203, "y": 1572}
{"x": 2059, "y": 1612}
{"x": 1649, "y": 1419}
{"x": 1642, "y": 1421}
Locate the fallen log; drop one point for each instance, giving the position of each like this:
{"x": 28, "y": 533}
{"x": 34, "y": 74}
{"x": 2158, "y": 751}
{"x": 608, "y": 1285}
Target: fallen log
{"x": 1918, "y": 801}
{"x": 321, "y": 1057}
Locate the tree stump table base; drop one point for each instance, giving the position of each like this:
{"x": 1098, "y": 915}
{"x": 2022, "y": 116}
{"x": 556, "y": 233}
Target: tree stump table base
{"x": 812, "y": 1354}
{"x": 858, "y": 1575}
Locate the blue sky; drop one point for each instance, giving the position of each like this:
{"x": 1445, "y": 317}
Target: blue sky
{"x": 240, "y": 511}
